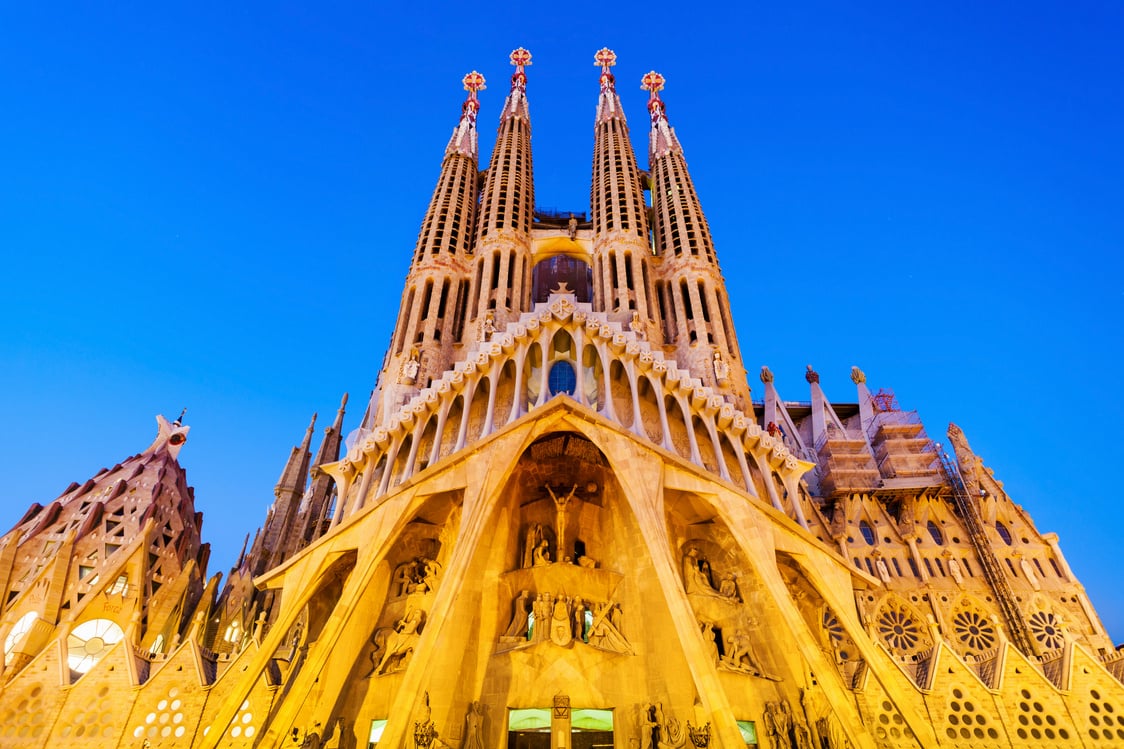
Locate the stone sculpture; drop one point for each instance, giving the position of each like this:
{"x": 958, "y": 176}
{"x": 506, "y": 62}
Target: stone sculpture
{"x": 721, "y": 368}
{"x": 474, "y": 726}
{"x": 400, "y": 641}
{"x": 521, "y": 607}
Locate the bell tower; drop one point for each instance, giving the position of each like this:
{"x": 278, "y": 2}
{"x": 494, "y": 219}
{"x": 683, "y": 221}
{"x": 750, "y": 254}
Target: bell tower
{"x": 501, "y": 286}
{"x": 695, "y": 310}
{"x": 432, "y": 317}
{"x": 621, "y": 250}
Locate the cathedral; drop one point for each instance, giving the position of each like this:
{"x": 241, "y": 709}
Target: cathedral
{"x": 566, "y": 520}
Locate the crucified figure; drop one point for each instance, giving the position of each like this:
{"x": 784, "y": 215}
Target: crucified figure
{"x": 560, "y": 518}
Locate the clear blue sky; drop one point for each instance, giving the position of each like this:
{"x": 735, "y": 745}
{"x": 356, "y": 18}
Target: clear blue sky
{"x": 215, "y": 207}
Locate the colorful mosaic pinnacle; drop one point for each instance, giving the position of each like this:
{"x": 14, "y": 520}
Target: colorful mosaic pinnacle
{"x": 520, "y": 58}
{"x": 473, "y": 82}
{"x": 605, "y": 59}
{"x": 653, "y": 83}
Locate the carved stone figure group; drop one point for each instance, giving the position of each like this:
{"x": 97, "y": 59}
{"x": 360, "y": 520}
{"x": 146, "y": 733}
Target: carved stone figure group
{"x": 419, "y": 575}
{"x": 658, "y": 731}
{"x": 565, "y": 619}
{"x": 698, "y": 577}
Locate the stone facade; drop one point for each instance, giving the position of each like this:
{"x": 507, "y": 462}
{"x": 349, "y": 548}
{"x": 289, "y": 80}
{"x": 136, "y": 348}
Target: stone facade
{"x": 564, "y": 521}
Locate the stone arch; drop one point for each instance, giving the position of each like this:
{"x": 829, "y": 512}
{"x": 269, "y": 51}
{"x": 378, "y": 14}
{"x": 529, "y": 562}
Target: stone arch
{"x": 734, "y": 459}
{"x": 505, "y": 394}
{"x": 677, "y": 426}
{"x": 532, "y": 374}
{"x": 549, "y": 272}
{"x": 593, "y": 376}
{"x": 705, "y": 443}
{"x": 400, "y": 471}
{"x": 725, "y": 589}
{"x": 426, "y": 442}
{"x": 620, "y": 390}
{"x": 478, "y": 409}
{"x": 648, "y": 398}
{"x": 452, "y": 426}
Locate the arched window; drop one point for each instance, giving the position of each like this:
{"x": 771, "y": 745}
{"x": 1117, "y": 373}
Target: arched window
{"x": 548, "y": 274}
{"x": 562, "y": 378}
{"x": 935, "y": 532}
{"x": 19, "y": 630}
{"x": 1003, "y": 532}
{"x": 867, "y": 531}
{"x": 89, "y": 642}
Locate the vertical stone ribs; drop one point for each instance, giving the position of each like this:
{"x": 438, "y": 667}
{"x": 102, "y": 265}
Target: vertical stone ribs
{"x": 502, "y": 277}
{"x": 691, "y": 291}
{"x": 432, "y": 314}
{"x": 621, "y": 249}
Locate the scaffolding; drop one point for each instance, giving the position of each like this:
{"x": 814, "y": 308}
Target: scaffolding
{"x": 966, "y": 504}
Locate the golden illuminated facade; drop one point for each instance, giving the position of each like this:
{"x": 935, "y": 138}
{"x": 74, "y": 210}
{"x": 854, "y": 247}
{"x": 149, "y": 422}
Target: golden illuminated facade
{"x": 564, "y": 521}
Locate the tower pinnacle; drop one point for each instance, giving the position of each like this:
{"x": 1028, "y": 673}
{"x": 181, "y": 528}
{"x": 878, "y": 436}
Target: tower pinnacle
{"x": 663, "y": 140}
{"x": 609, "y": 104}
{"x": 464, "y": 136}
{"x": 516, "y": 104}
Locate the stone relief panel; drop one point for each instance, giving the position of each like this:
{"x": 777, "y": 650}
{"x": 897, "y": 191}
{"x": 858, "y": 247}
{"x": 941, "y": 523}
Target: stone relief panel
{"x": 562, "y": 582}
{"x": 417, "y": 562}
{"x": 724, "y": 593}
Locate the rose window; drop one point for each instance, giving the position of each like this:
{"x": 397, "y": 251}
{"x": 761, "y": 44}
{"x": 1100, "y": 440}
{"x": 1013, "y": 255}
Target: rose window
{"x": 1046, "y": 629}
{"x": 838, "y": 638}
{"x": 833, "y": 627}
{"x": 90, "y": 641}
{"x": 974, "y": 630}
{"x": 899, "y": 630}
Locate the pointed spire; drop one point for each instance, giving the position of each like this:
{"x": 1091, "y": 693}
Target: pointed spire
{"x": 516, "y": 104}
{"x": 507, "y": 205}
{"x": 314, "y": 524}
{"x": 662, "y": 140}
{"x": 295, "y": 473}
{"x": 170, "y": 436}
{"x": 609, "y": 103}
{"x": 621, "y": 249}
{"x": 463, "y": 141}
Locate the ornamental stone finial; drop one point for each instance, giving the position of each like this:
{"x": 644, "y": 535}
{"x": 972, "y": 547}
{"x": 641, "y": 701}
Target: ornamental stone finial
{"x": 520, "y": 58}
{"x": 652, "y": 82}
{"x": 766, "y": 374}
{"x": 812, "y": 376}
{"x": 473, "y": 82}
{"x": 857, "y": 376}
{"x": 605, "y": 59}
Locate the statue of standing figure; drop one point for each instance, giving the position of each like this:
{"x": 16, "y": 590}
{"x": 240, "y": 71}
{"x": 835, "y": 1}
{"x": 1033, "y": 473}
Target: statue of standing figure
{"x": 778, "y": 723}
{"x": 474, "y": 726}
{"x": 531, "y": 544}
{"x": 488, "y": 327}
{"x": 410, "y": 367}
{"x": 721, "y": 368}
{"x": 560, "y": 504}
